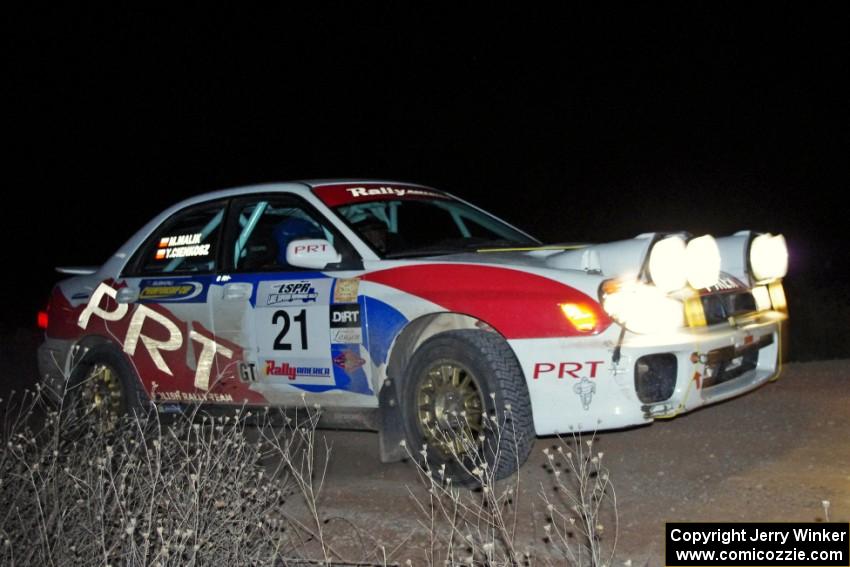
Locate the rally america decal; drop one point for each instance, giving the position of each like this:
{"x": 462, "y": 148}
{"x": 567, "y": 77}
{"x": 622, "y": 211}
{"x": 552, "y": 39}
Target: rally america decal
{"x": 307, "y": 374}
{"x": 344, "y": 194}
{"x": 390, "y": 191}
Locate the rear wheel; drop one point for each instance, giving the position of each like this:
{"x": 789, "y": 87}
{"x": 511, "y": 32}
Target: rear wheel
{"x": 467, "y": 402}
{"x": 102, "y": 388}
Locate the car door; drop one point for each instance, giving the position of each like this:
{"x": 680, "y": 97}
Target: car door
{"x": 302, "y": 328}
{"x": 167, "y": 327}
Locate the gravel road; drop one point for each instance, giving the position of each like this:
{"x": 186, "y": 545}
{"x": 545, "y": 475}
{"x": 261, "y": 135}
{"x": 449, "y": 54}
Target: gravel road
{"x": 772, "y": 455}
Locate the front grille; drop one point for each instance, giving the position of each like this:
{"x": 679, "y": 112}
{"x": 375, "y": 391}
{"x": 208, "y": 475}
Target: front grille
{"x": 727, "y": 363}
{"x": 720, "y": 307}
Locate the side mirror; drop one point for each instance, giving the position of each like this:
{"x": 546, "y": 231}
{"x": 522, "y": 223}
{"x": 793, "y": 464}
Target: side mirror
{"x": 314, "y": 253}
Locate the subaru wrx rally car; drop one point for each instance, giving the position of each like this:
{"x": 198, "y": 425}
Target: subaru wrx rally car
{"x": 406, "y": 309}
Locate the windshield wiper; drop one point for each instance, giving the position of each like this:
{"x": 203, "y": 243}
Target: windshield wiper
{"x": 416, "y": 253}
{"x": 457, "y": 246}
{"x": 495, "y": 243}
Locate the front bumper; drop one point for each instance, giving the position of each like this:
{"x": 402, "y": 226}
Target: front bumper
{"x": 609, "y": 381}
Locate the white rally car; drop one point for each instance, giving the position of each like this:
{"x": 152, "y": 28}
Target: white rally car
{"x": 406, "y": 309}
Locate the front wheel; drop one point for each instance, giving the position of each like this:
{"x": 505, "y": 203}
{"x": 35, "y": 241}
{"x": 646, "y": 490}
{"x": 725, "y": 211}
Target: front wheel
{"x": 467, "y": 403}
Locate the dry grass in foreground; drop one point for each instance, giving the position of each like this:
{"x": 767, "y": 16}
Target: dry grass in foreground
{"x": 245, "y": 489}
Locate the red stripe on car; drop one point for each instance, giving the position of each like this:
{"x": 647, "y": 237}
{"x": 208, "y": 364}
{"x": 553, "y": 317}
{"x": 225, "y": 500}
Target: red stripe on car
{"x": 518, "y": 304}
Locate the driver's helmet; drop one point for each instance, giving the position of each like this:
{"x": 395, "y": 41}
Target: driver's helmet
{"x": 293, "y": 229}
{"x": 375, "y": 231}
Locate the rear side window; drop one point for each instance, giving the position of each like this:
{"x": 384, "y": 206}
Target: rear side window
{"x": 186, "y": 243}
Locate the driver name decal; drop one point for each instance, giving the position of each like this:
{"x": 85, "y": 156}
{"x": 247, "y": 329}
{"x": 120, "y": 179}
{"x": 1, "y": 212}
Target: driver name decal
{"x": 181, "y": 246}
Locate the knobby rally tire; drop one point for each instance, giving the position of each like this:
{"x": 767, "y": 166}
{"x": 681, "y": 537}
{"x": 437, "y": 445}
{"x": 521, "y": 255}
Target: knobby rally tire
{"x": 133, "y": 399}
{"x": 489, "y": 360}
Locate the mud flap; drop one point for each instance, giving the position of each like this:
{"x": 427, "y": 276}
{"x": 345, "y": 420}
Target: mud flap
{"x": 391, "y": 432}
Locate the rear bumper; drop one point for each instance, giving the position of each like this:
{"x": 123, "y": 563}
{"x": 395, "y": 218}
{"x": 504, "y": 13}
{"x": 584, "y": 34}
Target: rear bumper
{"x": 591, "y": 383}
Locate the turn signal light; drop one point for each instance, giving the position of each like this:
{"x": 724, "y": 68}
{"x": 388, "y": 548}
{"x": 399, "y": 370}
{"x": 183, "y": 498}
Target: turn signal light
{"x": 580, "y": 316}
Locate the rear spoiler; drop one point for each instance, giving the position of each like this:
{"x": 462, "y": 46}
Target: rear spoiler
{"x": 77, "y": 270}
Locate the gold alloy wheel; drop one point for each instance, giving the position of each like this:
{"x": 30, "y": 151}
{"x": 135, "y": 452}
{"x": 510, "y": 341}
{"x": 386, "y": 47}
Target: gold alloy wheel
{"x": 101, "y": 391}
{"x": 450, "y": 408}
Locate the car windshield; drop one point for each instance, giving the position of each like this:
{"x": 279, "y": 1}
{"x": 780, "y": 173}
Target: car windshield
{"x": 424, "y": 227}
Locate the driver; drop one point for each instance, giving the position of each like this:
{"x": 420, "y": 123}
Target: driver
{"x": 375, "y": 231}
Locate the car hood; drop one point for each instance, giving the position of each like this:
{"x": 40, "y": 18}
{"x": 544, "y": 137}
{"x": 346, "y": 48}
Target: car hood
{"x": 612, "y": 259}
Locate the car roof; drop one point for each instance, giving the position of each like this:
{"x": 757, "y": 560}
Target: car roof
{"x": 301, "y": 186}
{"x": 314, "y": 183}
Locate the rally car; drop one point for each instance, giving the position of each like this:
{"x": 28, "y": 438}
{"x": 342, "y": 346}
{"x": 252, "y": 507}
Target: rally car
{"x": 407, "y": 309}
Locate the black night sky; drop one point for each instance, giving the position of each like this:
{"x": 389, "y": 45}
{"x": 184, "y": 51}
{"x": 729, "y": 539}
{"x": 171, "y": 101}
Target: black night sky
{"x": 577, "y": 126}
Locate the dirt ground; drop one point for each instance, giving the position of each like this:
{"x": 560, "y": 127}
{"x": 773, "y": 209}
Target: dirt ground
{"x": 772, "y": 455}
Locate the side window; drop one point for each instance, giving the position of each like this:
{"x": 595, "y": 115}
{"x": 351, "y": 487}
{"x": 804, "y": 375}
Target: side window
{"x": 263, "y": 228}
{"x": 185, "y": 243}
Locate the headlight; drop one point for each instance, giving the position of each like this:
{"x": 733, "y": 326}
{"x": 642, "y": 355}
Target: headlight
{"x": 702, "y": 259}
{"x": 769, "y": 257}
{"x": 667, "y": 264}
{"x": 641, "y": 308}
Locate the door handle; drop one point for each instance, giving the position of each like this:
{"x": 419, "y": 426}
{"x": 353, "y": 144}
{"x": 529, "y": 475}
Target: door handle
{"x": 127, "y": 295}
{"x": 237, "y": 291}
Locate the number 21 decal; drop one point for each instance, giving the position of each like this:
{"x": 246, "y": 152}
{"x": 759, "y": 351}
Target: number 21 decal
{"x": 301, "y": 319}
